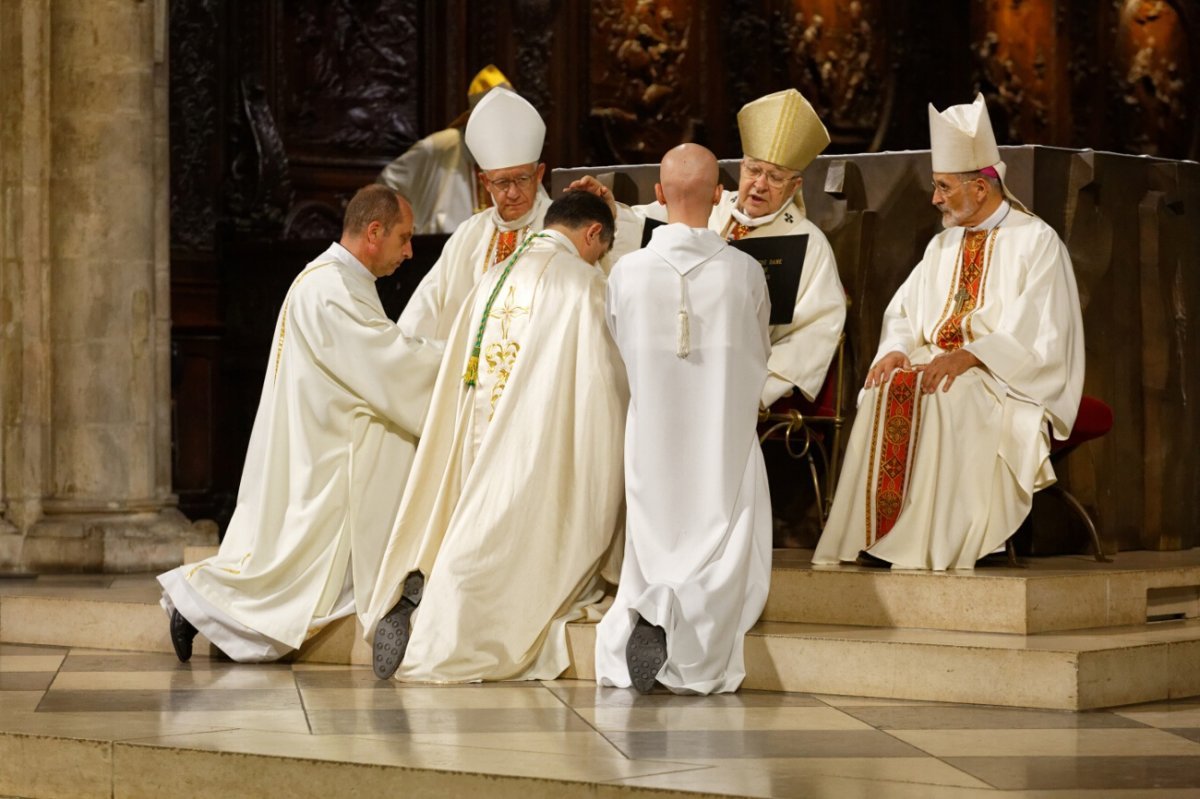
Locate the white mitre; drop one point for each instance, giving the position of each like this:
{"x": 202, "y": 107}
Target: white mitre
{"x": 961, "y": 140}
{"x": 505, "y": 131}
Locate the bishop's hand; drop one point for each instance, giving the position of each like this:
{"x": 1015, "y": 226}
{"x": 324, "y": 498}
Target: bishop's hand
{"x": 881, "y": 372}
{"x": 948, "y": 365}
{"x": 592, "y": 186}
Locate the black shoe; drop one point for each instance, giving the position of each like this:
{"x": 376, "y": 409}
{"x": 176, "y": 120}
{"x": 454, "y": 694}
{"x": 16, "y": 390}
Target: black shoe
{"x": 865, "y": 558}
{"x": 182, "y": 634}
{"x": 645, "y": 654}
{"x": 391, "y": 634}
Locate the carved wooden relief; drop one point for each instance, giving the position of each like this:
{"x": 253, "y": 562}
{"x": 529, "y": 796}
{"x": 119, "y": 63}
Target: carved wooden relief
{"x": 639, "y": 75}
{"x": 1014, "y": 48}
{"x": 195, "y": 93}
{"x": 349, "y": 77}
{"x": 836, "y": 56}
{"x": 1153, "y": 78}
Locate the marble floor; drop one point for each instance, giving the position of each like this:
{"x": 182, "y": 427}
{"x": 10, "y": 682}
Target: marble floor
{"x": 130, "y": 724}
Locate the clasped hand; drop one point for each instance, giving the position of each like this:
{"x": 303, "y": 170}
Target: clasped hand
{"x": 948, "y": 365}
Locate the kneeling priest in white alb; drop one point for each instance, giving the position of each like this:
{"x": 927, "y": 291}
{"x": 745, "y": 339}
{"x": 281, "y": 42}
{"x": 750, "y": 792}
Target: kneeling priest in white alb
{"x": 689, "y": 313}
{"x": 980, "y": 362}
{"x": 343, "y": 402}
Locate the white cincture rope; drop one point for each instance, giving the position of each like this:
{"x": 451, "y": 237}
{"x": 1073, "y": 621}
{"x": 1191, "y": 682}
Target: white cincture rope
{"x": 683, "y": 337}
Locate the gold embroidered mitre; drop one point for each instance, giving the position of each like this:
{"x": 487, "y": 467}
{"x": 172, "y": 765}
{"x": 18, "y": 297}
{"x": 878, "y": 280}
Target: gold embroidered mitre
{"x": 484, "y": 81}
{"x": 782, "y": 129}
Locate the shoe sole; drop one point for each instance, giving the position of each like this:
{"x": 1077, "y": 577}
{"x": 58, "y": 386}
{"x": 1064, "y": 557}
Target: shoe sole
{"x": 391, "y": 636}
{"x": 645, "y": 655}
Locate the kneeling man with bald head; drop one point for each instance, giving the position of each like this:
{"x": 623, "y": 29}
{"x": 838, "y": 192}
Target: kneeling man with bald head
{"x": 689, "y": 314}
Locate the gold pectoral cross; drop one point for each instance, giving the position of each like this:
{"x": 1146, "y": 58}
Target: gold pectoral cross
{"x": 960, "y": 299}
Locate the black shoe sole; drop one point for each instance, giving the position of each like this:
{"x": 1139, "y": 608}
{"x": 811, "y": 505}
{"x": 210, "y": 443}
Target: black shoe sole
{"x": 645, "y": 655}
{"x": 182, "y": 635}
{"x": 392, "y": 633}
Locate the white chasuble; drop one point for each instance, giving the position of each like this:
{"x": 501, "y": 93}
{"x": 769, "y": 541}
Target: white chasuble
{"x": 515, "y": 496}
{"x": 342, "y": 404}
{"x": 437, "y": 176}
{"x": 802, "y": 349}
{"x": 478, "y": 246}
{"x": 938, "y": 481}
{"x": 475, "y": 248}
{"x": 698, "y": 518}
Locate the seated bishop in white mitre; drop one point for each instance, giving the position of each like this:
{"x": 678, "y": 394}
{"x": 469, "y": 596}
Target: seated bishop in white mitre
{"x": 980, "y": 361}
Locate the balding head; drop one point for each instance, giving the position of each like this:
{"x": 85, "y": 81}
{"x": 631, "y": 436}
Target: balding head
{"x": 689, "y": 184}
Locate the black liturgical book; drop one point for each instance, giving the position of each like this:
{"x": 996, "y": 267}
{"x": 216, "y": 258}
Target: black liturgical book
{"x": 648, "y": 229}
{"x": 782, "y": 259}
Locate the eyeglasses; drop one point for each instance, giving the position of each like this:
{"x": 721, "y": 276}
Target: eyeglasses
{"x": 754, "y": 170}
{"x": 522, "y": 182}
{"x": 945, "y": 188}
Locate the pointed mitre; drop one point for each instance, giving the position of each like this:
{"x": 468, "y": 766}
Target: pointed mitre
{"x": 484, "y": 81}
{"x": 505, "y": 130}
{"x": 961, "y": 140}
{"x": 782, "y": 129}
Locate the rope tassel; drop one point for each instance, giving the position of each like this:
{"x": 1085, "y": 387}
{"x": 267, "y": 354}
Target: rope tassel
{"x": 683, "y": 345}
{"x": 683, "y": 333}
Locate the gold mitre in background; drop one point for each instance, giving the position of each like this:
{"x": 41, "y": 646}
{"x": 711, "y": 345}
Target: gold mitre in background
{"x": 484, "y": 81}
{"x": 782, "y": 129}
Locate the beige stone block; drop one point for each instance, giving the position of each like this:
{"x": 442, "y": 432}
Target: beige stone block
{"x": 333, "y": 644}
{"x": 92, "y": 386}
{"x": 581, "y": 641}
{"x": 49, "y": 621}
{"x": 1123, "y": 676}
{"x": 905, "y": 670}
{"x": 54, "y": 767}
{"x": 1183, "y": 663}
{"x": 1067, "y": 603}
{"x": 198, "y": 553}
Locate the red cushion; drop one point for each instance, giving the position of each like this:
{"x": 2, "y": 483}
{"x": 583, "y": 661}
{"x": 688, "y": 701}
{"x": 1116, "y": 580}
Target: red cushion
{"x": 823, "y": 405}
{"x": 1094, "y": 420}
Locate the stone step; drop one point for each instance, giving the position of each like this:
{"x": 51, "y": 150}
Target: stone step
{"x": 1061, "y": 670}
{"x": 1044, "y": 595}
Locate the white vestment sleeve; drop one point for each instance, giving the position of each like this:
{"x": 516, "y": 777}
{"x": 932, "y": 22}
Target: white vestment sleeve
{"x": 353, "y": 343}
{"x": 901, "y": 324}
{"x": 1037, "y": 348}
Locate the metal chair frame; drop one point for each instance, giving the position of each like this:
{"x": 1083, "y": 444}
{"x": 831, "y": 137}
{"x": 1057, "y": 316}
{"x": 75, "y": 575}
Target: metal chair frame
{"x": 796, "y": 425}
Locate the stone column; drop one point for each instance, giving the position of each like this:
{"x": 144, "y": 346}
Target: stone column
{"x": 92, "y": 429}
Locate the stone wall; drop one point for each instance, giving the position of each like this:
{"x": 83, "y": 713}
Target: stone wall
{"x": 85, "y": 472}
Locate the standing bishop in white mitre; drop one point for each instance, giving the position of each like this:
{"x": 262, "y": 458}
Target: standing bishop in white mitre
{"x": 438, "y": 173}
{"x": 980, "y": 361}
{"x": 505, "y": 135}
{"x": 342, "y": 404}
{"x": 689, "y": 314}
{"x": 514, "y": 502}
{"x": 781, "y": 135}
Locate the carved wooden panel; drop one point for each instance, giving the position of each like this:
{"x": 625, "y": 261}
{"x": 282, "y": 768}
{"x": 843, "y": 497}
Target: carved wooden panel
{"x": 349, "y": 77}
{"x": 641, "y": 68}
{"x": 836, "y": 54}
{"x": 1153, "y": 78}
{"x": 1014, "y": 46}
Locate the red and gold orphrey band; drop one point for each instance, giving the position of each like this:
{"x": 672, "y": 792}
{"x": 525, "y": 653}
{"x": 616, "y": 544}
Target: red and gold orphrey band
{"x": 900, "y": 421}
{"x": 503, "y": 244}
{"x": 969, "y": 286}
